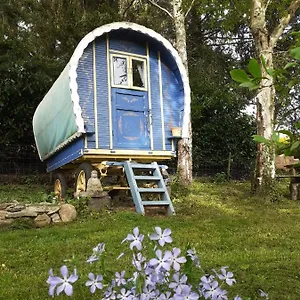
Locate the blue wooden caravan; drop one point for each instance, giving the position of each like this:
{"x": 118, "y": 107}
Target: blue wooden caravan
{"x": 118, "y": 99}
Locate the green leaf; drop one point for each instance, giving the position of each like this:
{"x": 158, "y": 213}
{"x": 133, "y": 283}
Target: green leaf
{"x": 275, "y": 137}
{"x": 248, "y": 84}
{"x": 260, "y": 139}
{"x": 296, "y": 53}
{"x": 254, "y": 68}
{"x": 295, "y": 145}
{"x": 239, "y": 75}
{"x": 289, "y": 65}
{"x": 297, "y": 125}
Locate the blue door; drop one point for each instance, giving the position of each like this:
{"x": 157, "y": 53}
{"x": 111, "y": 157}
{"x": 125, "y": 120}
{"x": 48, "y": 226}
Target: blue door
{"x": 130, "y": 110}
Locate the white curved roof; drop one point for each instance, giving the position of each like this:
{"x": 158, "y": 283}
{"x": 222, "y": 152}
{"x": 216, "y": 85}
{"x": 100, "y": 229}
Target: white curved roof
{"x": 90, "y": 37}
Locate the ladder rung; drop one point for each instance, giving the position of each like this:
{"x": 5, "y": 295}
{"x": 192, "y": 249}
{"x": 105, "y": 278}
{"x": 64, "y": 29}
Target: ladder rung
{"x": 151, "y": 190}
{"x": 143, "y": 166}
{"x": 155, "y": 203}
{"x": 148, "y": 178}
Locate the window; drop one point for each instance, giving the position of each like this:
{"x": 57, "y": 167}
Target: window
{"x": 128, "y": 72}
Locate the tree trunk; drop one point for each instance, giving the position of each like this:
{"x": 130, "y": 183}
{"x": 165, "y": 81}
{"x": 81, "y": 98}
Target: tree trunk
{"x": 265, "y": 158}
{"x": 184, "y": 166}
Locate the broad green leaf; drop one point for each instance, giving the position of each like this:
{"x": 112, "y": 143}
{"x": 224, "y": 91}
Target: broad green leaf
{"x": 287, "y": 152}
{"x": 239, "y": 75}
{"x": 295, "y": 145}
{"x": 260, "y": 139}
{"x": 297, "y": 125}
{"x": 254, "y": 68}
{"x": 275, "y": 137}
{"x": 289, "y": 65}
{"x": 248, "y": 84}
{"x": 296, "y": 53}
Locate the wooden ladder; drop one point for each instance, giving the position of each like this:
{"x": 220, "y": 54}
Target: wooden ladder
{"x": 137, "y": 174}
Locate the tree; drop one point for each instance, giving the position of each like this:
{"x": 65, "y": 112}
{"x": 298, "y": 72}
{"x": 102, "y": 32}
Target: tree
{"x": 266, "y": 34}
{"x": 177, "y": 12}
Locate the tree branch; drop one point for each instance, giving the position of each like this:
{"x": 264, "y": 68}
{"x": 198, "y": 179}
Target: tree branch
{"x": 189, "y": 9}
{"x": 161, "y": 8}
{"x": 267, "y": 4}
{"x": 284, "y": 21}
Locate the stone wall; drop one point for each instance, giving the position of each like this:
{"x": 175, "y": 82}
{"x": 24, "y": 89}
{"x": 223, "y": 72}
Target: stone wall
{"x": 42, "y": 214}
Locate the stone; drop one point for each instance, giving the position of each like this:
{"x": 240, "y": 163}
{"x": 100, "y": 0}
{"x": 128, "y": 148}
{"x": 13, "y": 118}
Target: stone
{"x": 5, "y": 222}
{"x": 3, "y": 214}
{"x": 94, "y": 184}
{"x": 67, "y": 213}
{"x": 98, "y": 203}
{"x": 42, "y": 220}
{"x": 15, "y": 207}
{"x": 21, "y": 214}
{"x": 38, "y": 208}
{"x": 55, "y": 218}
{"x": 4, "y": 205}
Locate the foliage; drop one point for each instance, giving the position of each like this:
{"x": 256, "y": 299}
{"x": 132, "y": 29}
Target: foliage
{"x": 222, "y": 222}
{"x": 167, "y": 275}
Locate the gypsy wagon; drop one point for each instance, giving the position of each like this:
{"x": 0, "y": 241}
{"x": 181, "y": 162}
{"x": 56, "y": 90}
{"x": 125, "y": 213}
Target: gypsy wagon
{"x": 114, "y": 108}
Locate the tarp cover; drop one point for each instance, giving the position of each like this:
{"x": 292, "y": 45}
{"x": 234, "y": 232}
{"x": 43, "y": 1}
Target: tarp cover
{"x": 54, "y": 120}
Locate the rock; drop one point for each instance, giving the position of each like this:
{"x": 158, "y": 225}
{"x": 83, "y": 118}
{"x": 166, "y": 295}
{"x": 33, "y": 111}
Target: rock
{"x": 98, "y": 203}
{"x": 42, "y": 220}
{"x": 4, "y": 205}
{"x": 5, "y": 222}
{"x": 3, "y": 214}
{"x": 21, "y": 214}
{"x": 55, "y": 218}
{"x": 42, "y": 208}
{"x": 67, "y": 213}
{"x": 15, "y": 207}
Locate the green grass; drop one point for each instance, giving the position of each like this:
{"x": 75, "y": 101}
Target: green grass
{"x": 257, "y": 238}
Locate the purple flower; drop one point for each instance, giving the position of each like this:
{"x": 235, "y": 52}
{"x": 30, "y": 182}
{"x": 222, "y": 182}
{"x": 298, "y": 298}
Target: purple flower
{"x": 211, "y": 290}
{"x": 94, "y": 283}
{"x": 161, "y": 261}
{"x": 237, "y": 298}
{"x": 165, "y": 296}
{"x": 110, "y": 293}
{"x": 194, "y": 257}
{"x": 138, "y": 260}
{"x": 175, "y": 260}
{"x": 226, "y": 276}
{"x": 136, "y": 239}
{"x": 92, "y": 259}
{"x": 161, "y": 237}
{"x": 99, "y": 248}
{"x": 178, "y": 283}
{"x": 186, "y": 294}
{"x": 124, "y": 295}
{"x": 120, "y": 278}
{"x": 65, "y": 282}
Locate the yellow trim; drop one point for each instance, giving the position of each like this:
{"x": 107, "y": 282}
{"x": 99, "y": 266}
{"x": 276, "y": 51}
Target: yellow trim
{"x": 95, "y": 94}
{"x": 149, "y": 97}
{"x": 85, "y": 142}
{"x": 109, "y": 93}
{"x": 127, "y": 53}
{"x": 129, "y": 57}
{"x": 161, "y": 103}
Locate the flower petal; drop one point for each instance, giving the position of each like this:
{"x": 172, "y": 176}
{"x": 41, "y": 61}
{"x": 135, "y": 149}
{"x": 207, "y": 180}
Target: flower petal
{"x": 69, "y": 289}
{"x": 64, "y": 271}
{"x": 73, "y": 278}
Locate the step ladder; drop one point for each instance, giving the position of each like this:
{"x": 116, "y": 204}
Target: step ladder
{"x": 138, "y": 174}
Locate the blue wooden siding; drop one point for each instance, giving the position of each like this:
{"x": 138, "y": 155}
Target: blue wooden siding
{"x": 126, "y": 41}
{"x": 155, "y": 95}
{"x": 102, "y": 93}
{"x": 85, "y": 83}
{"x": 73, "y": 151}
{"x": 172, "y": 90}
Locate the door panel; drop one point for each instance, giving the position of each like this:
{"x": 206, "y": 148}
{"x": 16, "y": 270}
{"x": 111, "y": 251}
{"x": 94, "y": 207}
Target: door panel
{"x": 130, "y": 119}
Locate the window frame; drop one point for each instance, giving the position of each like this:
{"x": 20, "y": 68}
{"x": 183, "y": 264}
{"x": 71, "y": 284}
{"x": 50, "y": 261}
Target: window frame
{"x": 129, "y": 58}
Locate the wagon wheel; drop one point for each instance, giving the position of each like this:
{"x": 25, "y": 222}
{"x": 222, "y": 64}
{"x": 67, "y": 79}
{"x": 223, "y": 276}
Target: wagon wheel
{"x": 83, "y": 174}
{"x": 60, "y": 186}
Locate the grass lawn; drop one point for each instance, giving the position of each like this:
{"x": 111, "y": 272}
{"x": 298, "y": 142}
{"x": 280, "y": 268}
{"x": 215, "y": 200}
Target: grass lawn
{"x": 257, "y": 238}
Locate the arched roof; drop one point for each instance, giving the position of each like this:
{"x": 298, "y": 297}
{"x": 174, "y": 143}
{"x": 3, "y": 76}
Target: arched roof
{"x": 90, "y": 37}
